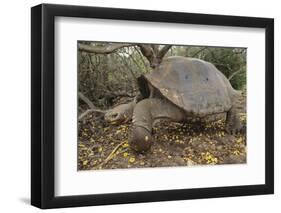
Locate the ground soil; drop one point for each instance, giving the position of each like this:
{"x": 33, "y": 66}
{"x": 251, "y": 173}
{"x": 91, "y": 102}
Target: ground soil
{"x": 105, "y": 146}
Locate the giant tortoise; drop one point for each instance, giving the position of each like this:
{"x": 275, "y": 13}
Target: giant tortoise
{"x": 180, "y": 89}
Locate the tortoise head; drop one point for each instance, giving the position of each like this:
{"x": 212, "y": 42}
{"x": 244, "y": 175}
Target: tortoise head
{"x": 120, "y": 114}
{"x": 113, "y": 117}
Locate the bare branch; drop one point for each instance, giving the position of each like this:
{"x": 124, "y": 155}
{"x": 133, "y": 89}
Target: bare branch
{"x": 83, "y": 115}
{"x": 155, "y": 48}
{"x": 199, "y": 51}
{"x": 93, "y": 108}
{"x": 163, "y": 51}
{"x": 147, "y": 52}
{"x": 86, "y": 100}
{"x": 153, "y": 54}
{"x": 235, "y": 73}
{"x": 101, "y": 49}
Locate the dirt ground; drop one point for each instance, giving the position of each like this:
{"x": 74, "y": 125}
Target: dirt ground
{"x": 105, "y": 146}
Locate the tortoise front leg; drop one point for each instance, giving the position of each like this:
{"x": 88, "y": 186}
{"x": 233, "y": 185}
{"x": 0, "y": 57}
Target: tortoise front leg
{"x": 145, "y": 113}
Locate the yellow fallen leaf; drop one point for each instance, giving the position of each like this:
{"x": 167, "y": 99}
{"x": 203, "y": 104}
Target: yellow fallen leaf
{"x": 209, "y": 158}
{"x": 125, "y": 154}
{"x": 236, "y": 152}
{"x": 100, "y": 149}
{"x": 125, "y": 145}
{"x": 239, "y": 140}
{"x": 132, "y": 160}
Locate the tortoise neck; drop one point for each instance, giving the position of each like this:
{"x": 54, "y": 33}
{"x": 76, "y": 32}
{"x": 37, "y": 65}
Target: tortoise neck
{"x": 149, "y": 110}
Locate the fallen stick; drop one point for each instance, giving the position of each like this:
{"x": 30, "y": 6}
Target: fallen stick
{"x": 111, "y": 155}
{"x": 89, "y": 111}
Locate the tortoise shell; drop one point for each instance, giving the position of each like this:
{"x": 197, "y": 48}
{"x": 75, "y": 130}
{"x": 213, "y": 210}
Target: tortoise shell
{"x": 194, "y": 85}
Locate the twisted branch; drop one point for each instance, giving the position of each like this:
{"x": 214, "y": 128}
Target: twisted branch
{"x": 101, "y": 49}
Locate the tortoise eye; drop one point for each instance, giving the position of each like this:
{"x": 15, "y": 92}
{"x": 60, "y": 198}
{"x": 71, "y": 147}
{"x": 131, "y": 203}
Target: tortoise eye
{"x": 114, "y": 115}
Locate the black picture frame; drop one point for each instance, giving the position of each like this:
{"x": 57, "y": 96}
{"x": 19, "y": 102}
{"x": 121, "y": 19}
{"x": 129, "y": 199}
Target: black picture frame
{"x": 43, "y": 102}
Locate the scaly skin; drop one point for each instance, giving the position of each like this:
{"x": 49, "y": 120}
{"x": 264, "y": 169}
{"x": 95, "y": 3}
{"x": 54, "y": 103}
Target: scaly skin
{"x": 233, "y": 124}
{"x": 145, "y": 113}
